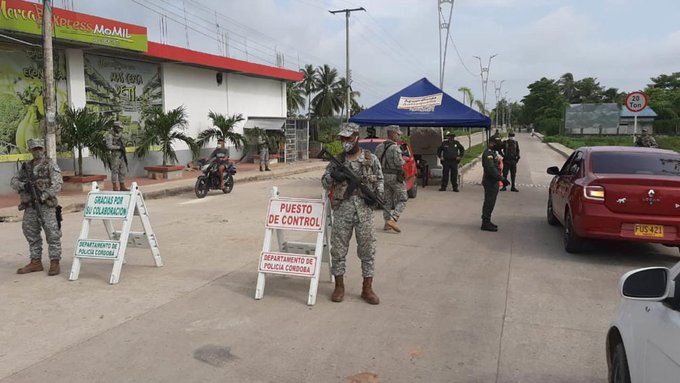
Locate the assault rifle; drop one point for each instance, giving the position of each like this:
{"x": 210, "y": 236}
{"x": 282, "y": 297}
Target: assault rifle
{"x": 355, "y": 182}
{"x": 29, "y": 187}
{"x": 122, "y": 150}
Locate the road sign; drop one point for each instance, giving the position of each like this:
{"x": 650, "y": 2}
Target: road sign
{"x": 636, "y": 101}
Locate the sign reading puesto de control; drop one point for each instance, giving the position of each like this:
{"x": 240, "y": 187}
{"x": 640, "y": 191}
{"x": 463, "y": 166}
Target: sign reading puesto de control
{"x": 22, "y": 16}
{"x": 295, "y": 214}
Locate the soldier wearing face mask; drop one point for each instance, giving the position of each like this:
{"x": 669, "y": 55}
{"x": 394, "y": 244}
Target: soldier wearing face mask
{"x": 352, "y": 211}
{"x": 38, "y": 183}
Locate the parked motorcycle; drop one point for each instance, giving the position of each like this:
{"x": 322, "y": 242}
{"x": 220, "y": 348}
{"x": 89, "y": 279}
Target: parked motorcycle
{"x": 210, "y": 179}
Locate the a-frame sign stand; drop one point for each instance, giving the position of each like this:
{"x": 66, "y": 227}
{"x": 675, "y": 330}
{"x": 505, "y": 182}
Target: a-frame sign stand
{"x": 302, "y": 259}
{"x": 110, "y": 207}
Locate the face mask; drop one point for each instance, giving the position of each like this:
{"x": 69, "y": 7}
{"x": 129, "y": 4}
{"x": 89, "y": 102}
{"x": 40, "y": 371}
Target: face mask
{"x": 511, "y": 138}
{"x": 348, "y": 146}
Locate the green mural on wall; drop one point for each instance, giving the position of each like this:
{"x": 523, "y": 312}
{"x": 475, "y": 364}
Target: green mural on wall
{"x": 123, "y": 89}
{"x": 21, "y": 95}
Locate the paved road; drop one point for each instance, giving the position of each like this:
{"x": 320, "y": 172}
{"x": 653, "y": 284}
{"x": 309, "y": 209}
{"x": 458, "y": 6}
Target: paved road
{"x": 457, "y": 304}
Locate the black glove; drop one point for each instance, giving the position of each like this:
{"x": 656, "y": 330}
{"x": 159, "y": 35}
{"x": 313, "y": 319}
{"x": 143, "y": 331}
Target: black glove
{"x": 338, "y": 176}
{"x": 369, "y": 201}
{"x": 27, "y": 187}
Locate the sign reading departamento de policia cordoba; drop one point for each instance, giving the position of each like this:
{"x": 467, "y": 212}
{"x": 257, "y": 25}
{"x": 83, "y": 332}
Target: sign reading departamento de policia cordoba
{"x": 25, "y": 17}
{"x": 421, "y": 103}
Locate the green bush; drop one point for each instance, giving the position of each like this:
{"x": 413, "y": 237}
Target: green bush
{"x": 333, "y": 147}
{"x": 549, "y": 126}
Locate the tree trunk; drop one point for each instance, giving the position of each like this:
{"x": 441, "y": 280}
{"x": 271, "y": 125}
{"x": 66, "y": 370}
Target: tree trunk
{"x": 79, "y": 171}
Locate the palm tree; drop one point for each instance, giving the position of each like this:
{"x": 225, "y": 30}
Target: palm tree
{"x": 223, "y": 130}
{"x": 480, "y": 106}
{"x": 294, "y": 97}
{"x": 309, "y": 85}
{"x": 327, "y": 100}
{"x": 162, "y": 129}
{"x": 467, "y": 92}
{"x": 342, "y": 94}
{"x": 80, "y": 128}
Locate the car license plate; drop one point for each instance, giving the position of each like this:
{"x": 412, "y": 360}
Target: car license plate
{"x": 655, "y": 231}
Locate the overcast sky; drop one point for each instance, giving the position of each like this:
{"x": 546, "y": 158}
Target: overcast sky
{"x": 396, "y": 42}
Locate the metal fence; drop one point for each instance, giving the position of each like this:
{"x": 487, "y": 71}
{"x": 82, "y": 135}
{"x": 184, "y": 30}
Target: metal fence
{"x": 296, "y": 132}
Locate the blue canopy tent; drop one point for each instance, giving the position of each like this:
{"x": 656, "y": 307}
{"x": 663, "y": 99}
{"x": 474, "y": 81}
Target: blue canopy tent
{"x": 422, "y": 104}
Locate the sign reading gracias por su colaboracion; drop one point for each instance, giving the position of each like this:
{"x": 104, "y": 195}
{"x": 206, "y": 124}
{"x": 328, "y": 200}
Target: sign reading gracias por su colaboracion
{"x": 103, "y": 205}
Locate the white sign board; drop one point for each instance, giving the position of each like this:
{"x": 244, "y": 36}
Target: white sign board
{"x": 97, "y": 248}
{"x": 636, "y": 101}
{"x": 421, "y": 103}
{"x": 285, "y": 263}
{"x": 107, "y": 205}
{"x": 296, "y": 214}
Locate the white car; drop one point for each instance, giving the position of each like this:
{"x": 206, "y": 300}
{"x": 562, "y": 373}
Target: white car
{"x": 643, "y": 342}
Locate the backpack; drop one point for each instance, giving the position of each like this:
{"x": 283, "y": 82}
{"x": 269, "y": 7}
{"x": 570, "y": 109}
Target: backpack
{"x": 511, "y": 149}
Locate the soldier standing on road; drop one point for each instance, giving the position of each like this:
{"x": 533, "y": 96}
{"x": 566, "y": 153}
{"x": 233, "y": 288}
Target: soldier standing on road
{"x": 646, "y": 140}
{"x": 391, "y": 162}
{"x": 263, "y": 149}
{"x": 492, "y": 174}
{"x": 510, "y": 153}
{"x": 351, "y": 211}
{"x": 114, "y": 142}
{"x": 450, "y": 153}
{"x": 42, "y": 176}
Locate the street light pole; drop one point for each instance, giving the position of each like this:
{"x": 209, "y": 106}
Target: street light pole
{"x": 347, "y": 79}
{"x": 49, "y": 99}
{"x": 498, "y": 95}
{"x": 485, "y": 79}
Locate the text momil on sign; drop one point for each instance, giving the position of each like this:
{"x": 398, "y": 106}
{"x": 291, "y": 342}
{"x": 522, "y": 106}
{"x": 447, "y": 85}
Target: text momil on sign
{"x": 296, "y": 214}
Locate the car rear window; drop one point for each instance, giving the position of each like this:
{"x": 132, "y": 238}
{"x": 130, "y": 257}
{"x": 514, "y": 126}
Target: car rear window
{"x": 369, "y": 146}
{"x": 635, "y": 163}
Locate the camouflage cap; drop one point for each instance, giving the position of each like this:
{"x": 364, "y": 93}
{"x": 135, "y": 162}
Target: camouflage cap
{"x": 117, "y": 124}
{"x": 35, "y": 143}
{"x": 393, "y": 128}
{"x": 347, "y": 129}
{"x": 511, "y": 134}
{"x": 450, "y": 134}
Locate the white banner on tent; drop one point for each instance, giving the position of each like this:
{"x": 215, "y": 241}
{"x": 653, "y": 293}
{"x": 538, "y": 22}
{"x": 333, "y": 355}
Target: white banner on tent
{"x": 300, "y": 259}
{"x": 114, "y": 206}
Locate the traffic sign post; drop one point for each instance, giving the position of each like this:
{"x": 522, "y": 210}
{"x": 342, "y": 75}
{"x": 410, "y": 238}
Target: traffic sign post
{"x": 109, "y": 207}
{"x": 300, "y": 259}
{"x": 636, "y": 102}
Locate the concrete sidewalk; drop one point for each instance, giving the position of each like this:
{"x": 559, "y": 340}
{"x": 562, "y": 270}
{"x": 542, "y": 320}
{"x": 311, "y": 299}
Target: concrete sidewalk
{"x": 246, "y": 172}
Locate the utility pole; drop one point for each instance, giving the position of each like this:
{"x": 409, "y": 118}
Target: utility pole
{"x": 347, "y": 79}
{"x": 49, "y": 98}
{"x": 485, "y": 78}
{"x": 498, "y": 95}
{"x": 444, "y": 26}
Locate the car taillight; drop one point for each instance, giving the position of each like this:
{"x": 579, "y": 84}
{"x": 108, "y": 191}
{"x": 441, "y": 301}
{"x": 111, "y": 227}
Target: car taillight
{"x": 594, "y": 192}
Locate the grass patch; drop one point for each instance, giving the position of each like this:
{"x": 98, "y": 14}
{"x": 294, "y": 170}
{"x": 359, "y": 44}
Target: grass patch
{"x": 472, "y": 153}
{"x": 664, "y": 142}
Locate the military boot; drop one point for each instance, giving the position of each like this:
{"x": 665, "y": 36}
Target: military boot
{"x": 339, "y": 292}
{"x": 393, "y": 225}
{"x": 367, "y": 292}
{"x": 261, "y": 168}
{"x": 387, "y": 227}
{"x": 266, "y": 169}
{"x": 34, "y": 265}
{"x": 123, "y": 187}
{"x": 54, "y": 267}
{"x": 115, "y": 186}
{"x": 488, "y": 226}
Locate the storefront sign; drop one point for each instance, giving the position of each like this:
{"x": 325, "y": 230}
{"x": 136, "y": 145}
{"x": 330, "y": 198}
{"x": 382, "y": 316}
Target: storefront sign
{"x": 22, "y": 16}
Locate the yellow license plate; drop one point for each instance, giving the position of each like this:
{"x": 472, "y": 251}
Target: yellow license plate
{"x": 655, "y": 231}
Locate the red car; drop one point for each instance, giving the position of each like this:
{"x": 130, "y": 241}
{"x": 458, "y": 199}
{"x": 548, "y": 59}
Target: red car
{"x": 617, "y": 193}
{"x": 407, "y": 153}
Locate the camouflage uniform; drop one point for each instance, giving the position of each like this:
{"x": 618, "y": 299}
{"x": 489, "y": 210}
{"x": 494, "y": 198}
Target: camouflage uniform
{"x": 646, "y": 140}
{"x": 263, "y": 148}
{"x": 395, "y": 189}
{"x": 352, "y": 213}
{"x": 114, "y": 142}
{"x": 48, "y": 181}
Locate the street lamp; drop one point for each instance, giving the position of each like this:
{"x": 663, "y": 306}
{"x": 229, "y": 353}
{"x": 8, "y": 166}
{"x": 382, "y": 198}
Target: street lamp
{"x": 347, "y": 81}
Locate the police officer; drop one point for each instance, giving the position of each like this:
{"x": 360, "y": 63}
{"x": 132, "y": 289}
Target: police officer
{"x": 263, "y": 149}
{"x": 391, "y": 161}
{"x": 492, "y": 175}
{"x": 41, "y": 176}
{"x": 114, "y": 142}
{"x": 646, "y": 140}
{"x": 352, "y": 211}
{"x": 510, "y": 153}
{"x": 450, "y": 153}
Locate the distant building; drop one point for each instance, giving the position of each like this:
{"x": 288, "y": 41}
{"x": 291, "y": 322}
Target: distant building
{"x": 605, "y": 119}
{"x": 645, "y": 120}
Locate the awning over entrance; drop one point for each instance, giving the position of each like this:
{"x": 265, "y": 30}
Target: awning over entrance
{"x": 265, "y": 123}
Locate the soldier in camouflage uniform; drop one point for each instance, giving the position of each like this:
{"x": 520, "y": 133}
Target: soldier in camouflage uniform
{"x": 646, "y": 140}
{"x": 114, "y": 142}
{"x": 263, "y": 149}
{"x": 391, "y": 162}
{"x": 45, "y": 175}
{"x": 351, "y": 211}
{"x": 492, "y": 175}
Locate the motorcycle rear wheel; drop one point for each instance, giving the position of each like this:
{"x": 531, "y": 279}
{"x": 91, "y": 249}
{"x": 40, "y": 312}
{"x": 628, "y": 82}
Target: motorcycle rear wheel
{"x": 228, "y": 184}
{"x": 201, "y": 187}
